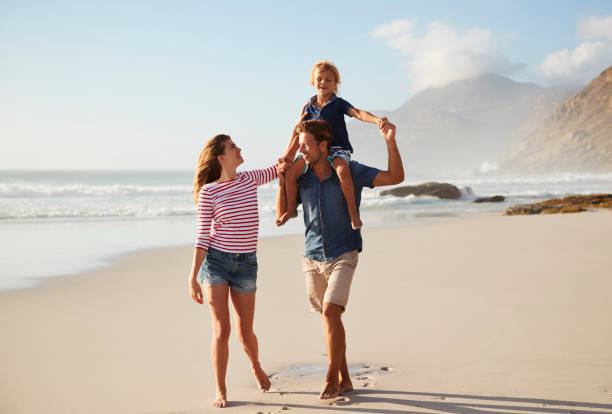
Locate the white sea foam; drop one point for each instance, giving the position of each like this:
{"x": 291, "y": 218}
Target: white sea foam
{"x": 14, "y": 190}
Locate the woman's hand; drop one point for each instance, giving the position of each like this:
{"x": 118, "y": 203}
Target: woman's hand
{"x": 282, "y": 166}
{"x": 196, "y": 291}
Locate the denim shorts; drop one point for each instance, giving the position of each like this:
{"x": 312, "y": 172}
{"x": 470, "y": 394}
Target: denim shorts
{"x": 238, "y": 270}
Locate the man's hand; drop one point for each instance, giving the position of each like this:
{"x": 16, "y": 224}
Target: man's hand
{"x": 382, "y": 121}
{"x": 387, "y": 130}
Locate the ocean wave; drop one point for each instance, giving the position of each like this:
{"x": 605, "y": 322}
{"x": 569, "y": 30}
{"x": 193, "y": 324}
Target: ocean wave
{"x": 59, "y": 212}
{"x": 14, "y": 190}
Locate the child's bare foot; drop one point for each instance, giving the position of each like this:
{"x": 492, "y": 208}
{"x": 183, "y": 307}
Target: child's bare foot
{"x": 282, "y": 220}
{"x": 285, "y": 217}
{"x": 330, "y": 391}
{"x": 356, "y": 223}
{"x": 262, "y": 379}
{"x": 221, "y": 400}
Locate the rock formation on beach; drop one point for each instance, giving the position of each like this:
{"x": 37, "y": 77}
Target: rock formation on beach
{"x": 461, "y": 126}
{"x": 494, "y": 199}
{"x": 440, "y": 190}
{"x": 576, "y": 138}
{"x": 571, "y": 204}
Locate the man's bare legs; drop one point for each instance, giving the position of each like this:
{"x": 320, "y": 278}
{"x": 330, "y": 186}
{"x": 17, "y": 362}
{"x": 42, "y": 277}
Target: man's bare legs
{"x": 338, "y": 379}
{"x": 244, "y": 311}
{"x": 217, "y": 297}
{"x": 291, "y": 189}
{"x": 346, "y": 184}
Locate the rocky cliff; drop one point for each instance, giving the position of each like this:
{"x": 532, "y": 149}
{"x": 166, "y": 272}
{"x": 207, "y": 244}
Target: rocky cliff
{"x": 576, "y": 138}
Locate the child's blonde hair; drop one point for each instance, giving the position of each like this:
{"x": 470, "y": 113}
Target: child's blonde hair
{"x": 323, "y": 66}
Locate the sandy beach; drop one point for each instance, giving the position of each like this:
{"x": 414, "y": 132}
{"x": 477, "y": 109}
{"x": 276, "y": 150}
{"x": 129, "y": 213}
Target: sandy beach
{"x": 486, "y": 314}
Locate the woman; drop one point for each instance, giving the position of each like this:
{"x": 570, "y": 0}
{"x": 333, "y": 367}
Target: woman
{"x": 226, "y": 242}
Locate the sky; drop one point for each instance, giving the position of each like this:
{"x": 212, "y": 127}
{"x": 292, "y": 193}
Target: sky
{"x": 142, "y": 85}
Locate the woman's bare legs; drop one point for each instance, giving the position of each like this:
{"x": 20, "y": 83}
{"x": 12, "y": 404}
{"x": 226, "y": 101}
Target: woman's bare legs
{"x": 217, "y": 297}
{"x": 244, "y": 311}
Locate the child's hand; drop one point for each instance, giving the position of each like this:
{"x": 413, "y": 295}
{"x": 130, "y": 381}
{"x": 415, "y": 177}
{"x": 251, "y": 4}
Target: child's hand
{"x": 381, "y": 122}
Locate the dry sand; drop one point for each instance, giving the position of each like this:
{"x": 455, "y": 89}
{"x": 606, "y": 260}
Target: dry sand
{"x": 490, "y": 314}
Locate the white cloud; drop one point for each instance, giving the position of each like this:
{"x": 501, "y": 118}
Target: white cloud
{"x": 596, "y": 27}
{"x": 587, "y": 60}
{"x": 441, "y": 54}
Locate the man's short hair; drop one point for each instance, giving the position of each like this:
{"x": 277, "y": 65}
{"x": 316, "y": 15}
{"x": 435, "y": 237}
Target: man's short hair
{"x": 319, "y": 128}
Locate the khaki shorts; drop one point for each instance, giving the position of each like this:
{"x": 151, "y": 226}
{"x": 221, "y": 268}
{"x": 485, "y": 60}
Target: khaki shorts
{"x": 329, "y": 281}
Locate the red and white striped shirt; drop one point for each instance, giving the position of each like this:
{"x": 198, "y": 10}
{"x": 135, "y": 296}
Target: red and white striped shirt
{"x": 228, "y": 219}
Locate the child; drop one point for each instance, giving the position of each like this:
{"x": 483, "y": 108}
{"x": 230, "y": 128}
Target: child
{"x": 326, "y": 105}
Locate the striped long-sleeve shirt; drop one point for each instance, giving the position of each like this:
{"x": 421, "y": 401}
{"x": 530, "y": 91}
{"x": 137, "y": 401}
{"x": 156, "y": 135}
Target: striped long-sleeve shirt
{"x": 228, "y": 219}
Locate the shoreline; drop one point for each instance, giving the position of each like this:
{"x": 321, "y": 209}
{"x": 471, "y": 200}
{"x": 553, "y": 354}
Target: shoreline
{"x": 105, "y": 260}
{"x": 482, "y": 312}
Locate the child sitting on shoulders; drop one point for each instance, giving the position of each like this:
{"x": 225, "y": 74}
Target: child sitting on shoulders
{"x": 326, "y": 105}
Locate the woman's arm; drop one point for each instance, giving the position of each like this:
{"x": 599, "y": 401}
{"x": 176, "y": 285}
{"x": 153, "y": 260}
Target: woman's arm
{"x": 194, "y": 287}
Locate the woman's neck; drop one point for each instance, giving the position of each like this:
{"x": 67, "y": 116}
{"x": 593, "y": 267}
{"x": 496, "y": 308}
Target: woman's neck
{"x": 227, "y": 175}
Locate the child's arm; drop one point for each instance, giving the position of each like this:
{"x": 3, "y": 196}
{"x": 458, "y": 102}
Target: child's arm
{"x": 365, "y": 116}
{"x": 294, "y": 140}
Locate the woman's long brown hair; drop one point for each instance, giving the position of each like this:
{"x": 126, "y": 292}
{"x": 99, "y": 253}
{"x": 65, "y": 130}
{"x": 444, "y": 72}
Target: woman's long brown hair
{"x": 208, "y": 169}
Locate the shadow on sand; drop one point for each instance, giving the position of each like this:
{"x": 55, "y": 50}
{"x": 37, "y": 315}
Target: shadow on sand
{"x": 418, "y": 402}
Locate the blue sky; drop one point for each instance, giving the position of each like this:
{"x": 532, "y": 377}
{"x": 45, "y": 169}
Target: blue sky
{"x": 142, "y": 85}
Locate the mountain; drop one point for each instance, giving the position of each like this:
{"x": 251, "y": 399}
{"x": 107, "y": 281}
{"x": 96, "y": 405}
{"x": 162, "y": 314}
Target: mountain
{"x": 576, "y": 138}
{"x": 458, "y": 127}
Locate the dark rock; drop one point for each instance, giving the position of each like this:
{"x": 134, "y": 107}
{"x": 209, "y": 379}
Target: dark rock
{"x": 440, "y": 190}
{"x": 571, "y": 204}
{"x": 494, "y": 199}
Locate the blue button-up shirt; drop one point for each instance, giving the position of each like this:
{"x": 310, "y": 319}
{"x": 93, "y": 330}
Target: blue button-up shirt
{"x": 328, "y": 224}
{"x": 333, "y": 112}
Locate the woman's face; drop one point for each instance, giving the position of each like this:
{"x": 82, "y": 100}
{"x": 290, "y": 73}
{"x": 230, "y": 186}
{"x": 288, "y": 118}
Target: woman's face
{"x": 231, "y": 157}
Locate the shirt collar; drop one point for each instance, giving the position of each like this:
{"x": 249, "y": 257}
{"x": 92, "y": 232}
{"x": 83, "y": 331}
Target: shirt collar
{"x": 314, "y": 99}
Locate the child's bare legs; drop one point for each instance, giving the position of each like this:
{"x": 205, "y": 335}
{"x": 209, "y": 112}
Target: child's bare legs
{"x": 346, "y": 183}
{"x": 291, "y": 176}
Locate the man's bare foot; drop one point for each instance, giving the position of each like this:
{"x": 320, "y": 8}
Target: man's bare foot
{"x": 221, "y": 400}
{"x": 262, "y": 379}
{"x": 345, "y": 386}
{"x": 330, "y": 391}
{"x": 356, "y": 223}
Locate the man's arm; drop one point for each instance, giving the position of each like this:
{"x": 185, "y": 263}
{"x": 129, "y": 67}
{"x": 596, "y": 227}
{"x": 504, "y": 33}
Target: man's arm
{"x": 395, "y": 169}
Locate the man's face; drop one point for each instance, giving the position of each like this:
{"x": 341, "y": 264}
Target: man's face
{"x": 312, "y": 151}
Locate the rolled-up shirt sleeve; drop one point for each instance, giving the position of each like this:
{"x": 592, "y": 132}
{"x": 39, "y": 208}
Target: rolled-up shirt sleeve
{"x": 205, "y": 215}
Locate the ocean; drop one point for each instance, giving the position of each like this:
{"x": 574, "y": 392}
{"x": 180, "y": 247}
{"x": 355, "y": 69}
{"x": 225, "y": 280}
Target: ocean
{"x": 64, "y": 222}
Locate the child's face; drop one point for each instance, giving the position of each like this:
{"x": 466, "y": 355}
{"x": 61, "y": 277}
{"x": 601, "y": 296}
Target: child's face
{"x": 324, "y": 82}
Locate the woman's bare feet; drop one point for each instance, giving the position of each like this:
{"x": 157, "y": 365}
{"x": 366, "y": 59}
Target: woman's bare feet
{"x": 262, "y": 379}
{"x": 221, "y": 400}
{"x": 330, "y": 391}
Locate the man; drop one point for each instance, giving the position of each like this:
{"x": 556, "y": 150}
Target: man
{"x": 332, "y": 246}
